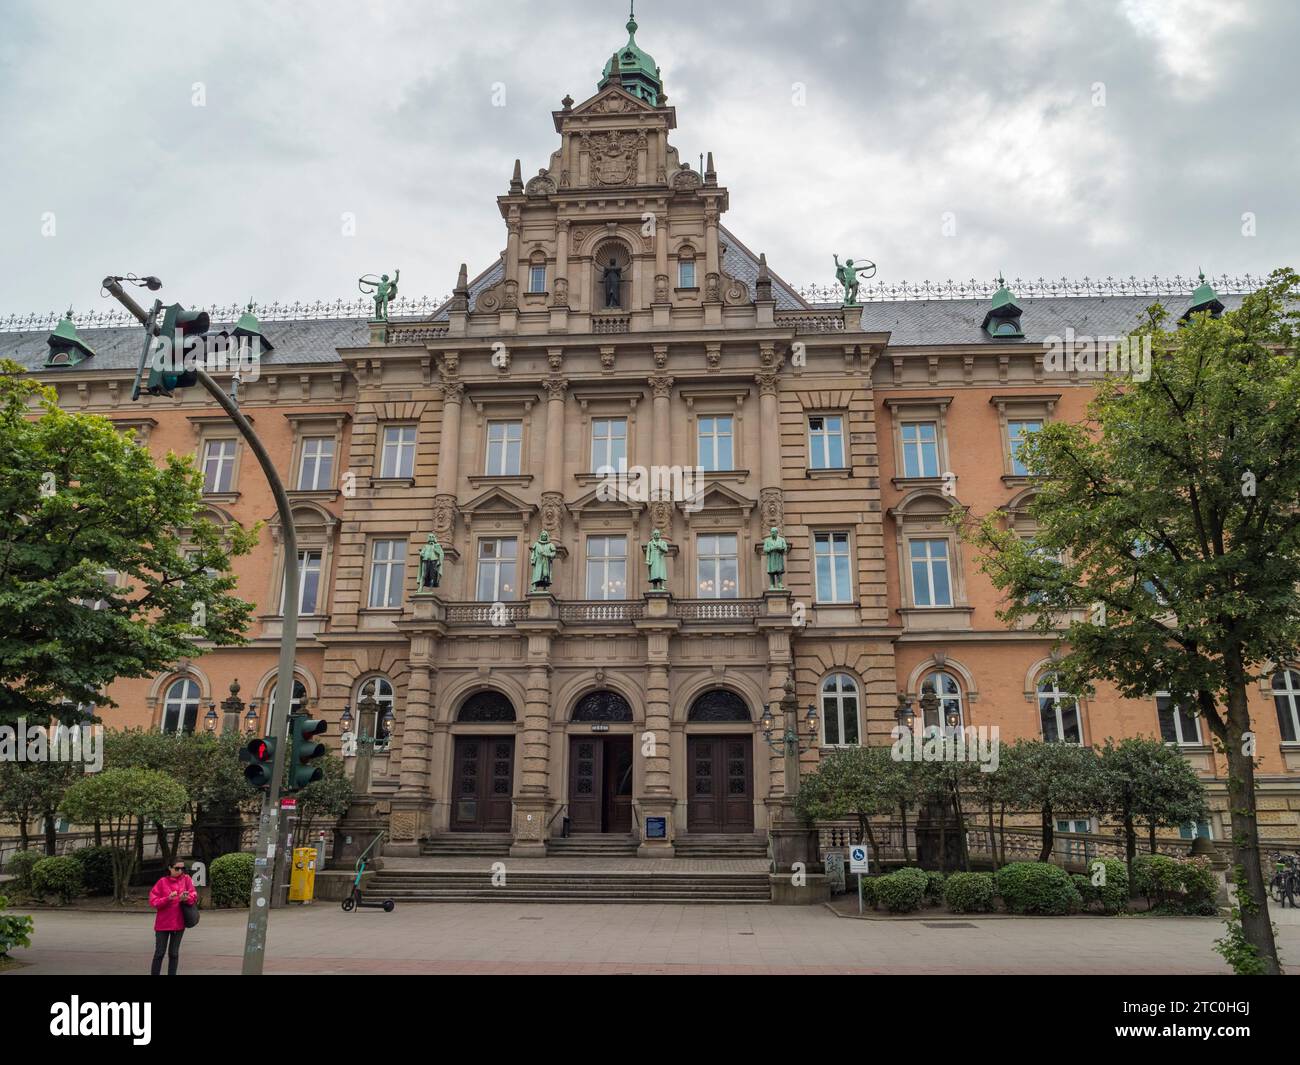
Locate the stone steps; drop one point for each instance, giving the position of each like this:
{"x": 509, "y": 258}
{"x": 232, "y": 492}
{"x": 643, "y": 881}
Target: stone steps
{"x": 719, "y": 846}
{"x": 419, "y": 886}
{"x": 592, "y": 846}
{"x": 467, "y": 845}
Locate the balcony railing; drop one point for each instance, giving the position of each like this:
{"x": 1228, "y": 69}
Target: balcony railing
{"x": 602, "y": 610}
{"x": 717, "y": 609}
{"x": 812, "y": 321}
{"x": 486, "y": 613}
{"x": 610, "y": 324}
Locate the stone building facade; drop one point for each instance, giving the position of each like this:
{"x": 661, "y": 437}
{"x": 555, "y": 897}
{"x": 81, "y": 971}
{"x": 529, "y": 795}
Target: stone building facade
{"x": 625, "y": 323}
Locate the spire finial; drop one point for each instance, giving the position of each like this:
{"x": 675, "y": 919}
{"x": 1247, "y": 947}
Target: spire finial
{"x": 631, "y": 18}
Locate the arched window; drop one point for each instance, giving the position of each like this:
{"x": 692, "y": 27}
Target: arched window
{"x": 1286, "y": 697}
{"x": 602, "y": 706}
{"x": 181, "y": 706}
{"x": 486, "y": 707}
{"x": 299, "y": 697}
{"x": 1058, "y": 711}
{"x": 945, "y": 686}
{"x": 719, "y": 705}
{"x": 840, "y": 723}
{"x": 1177, "y": 725}
{"x": 381, "y": 690}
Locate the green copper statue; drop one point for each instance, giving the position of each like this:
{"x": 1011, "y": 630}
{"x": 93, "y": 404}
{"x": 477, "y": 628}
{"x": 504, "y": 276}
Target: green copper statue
{"x": 656, "y": 559}
{"x": 384, "y": 292}
{"x": 431, "y": 563}
{"x": 774, "y": 549}
{"x": 847, "y": 275}
{"x": 539, "y": 558}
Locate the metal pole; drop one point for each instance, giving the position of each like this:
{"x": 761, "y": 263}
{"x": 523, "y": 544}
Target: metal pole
{"x": 277, "y": 726}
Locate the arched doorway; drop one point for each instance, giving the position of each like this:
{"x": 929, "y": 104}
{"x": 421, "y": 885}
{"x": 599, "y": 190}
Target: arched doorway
{"x": 720, "y": 765}
{"x": 600, "y": 766}
{"x": 483, "y": 767}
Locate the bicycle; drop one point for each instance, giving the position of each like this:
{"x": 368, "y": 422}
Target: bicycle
{"x": 1286, "y": 877}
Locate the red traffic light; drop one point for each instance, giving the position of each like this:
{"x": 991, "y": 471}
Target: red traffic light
{"x": 259, "y": 749}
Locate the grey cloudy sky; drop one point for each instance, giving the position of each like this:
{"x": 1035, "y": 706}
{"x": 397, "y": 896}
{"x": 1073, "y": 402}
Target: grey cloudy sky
{"x": 984, "y": 115}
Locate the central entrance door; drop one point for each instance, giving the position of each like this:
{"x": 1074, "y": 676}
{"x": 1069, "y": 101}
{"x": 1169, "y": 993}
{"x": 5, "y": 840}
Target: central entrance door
{"x": 720, "y": 776}
{"x": 600, "y": 784}
{"x": 483, "y": 783}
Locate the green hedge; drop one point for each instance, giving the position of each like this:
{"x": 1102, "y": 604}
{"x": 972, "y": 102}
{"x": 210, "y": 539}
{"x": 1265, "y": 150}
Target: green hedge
{"x": 20, "y": 865}
{"x": 15, "y": 931}
{"x": 60, "y": 877}
{"x": 1175, "y": 886}
{"x": 869, "y": 892}
{"x": 902, "y": 891}
{"x": 970, "y": 892}
{"x": 96, "y": 869}
{"x": 231, "y": 877}
{"x": 933, "y": 886}
{"x": 1038, "y": 888}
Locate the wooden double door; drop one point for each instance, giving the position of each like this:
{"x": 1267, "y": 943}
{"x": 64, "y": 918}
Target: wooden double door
{"x": 720, "y": 784}
{"x": 482, "y": 786}
{"x": 600, "y": 784}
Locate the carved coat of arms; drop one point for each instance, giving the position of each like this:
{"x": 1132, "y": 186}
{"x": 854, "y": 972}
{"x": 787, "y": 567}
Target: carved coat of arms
{"x": 613, "y": 158}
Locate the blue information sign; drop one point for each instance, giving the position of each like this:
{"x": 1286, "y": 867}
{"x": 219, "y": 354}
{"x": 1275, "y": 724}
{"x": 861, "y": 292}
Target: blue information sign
{"x": 656, "y": 828}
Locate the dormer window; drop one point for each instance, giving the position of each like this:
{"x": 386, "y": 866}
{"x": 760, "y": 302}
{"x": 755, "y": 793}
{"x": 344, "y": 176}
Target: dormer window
{"x": 1204, "y": 300}
{"x": 66, "y": 348}
{"x": 1002, "y": 320}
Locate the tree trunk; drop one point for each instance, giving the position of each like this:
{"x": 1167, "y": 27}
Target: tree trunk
{"x": 1002, "y": 834}
{"x": 99, "y": 834}
{"x": 1130, "y": 847}
{"x": 51, "y": 838}
{"x": 907, "y": 854}
{"x": 963, "y": 852}
{"x": 1252, "y": 892}
{"x": 24, "y": 837}
{"x": 1049, "y": 835}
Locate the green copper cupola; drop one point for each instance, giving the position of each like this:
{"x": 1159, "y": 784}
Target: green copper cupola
{"x": 1003, "y": 316}
{"x": 633, "y": 69}
{"x": 1203, "y": 299}
{"x": 66, "y": 348}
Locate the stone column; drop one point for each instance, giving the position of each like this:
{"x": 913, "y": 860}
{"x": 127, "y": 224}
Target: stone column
{"x": 444, "y": 501}
{"x": 712, "y": 281}
{"x": 661, "y": 453}
{"x": 560, "y": 291}
{"x": 771, "y": 497}
{"x": 661, "y": 259}
{"x": 532, "y": 802}
{"x": 655, "y": 743}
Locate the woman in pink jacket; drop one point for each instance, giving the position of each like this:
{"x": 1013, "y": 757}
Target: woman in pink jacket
{"x": 168, "y": 927}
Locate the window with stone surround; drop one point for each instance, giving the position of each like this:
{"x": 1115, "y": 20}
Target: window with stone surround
{"x": 826, "y": 442}
{"x": 717, "y": 571}
{"x": 181, "y": 706}
{"x": 309, "y": 574}
{"x": 947, "y": 689}
{"x": 608, "y": 444}
{"x": 1286, "y": 700}
{"x": 833, "y": 567}
{"x": 841, "y": 723}
{"x": 931, "y": 575}
{"x": 497, "y": 576}
{"x": 920, "y": 437}
{"x": 1058, "y": 712}
{"x": 714, "y": 437}
{"x": 397, "y": 453}
{"x": 219, "y": 465}
{"x": 317, "y": 452}
{"x": 387, "y": 573}
{"x": 316, "y": 465}
{"x": 504, "y": 448}
{"x": 1018, "y": 418}
{"x": 1177, "y": 725}
{"x": 606, "y": 567}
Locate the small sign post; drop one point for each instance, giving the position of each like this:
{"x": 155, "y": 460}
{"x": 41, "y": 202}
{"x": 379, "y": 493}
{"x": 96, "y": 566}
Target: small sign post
{"x": 858, "y": 863}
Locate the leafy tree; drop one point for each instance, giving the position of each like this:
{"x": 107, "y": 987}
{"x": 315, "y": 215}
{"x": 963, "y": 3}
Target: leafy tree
{"x": 77, "y": 499}
{"x": 31, "y": 791}
{"x": 328, "y": 797}
{"x": 1145, "y": 780}
{"x": 116, "y": 798}
{"x": 857, "y": 782}
{"x": 1052, "y": 778}
{"x": 1168, "y": 536}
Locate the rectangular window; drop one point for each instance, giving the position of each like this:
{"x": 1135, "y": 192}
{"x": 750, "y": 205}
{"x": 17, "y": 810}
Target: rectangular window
{"x": 505, "y": 442}
{"x": 1199, "y": 830}
{"x": 387, "y": 572}
{"x": 1017, "y": 431}
{"x": 316, "y": 470}
{"x": 218, "y": 465}
{"x": 826, "y": 442}
{"x": 537, "y": 279}
{"x": 308, "y": 583}
{"x": 608, "y": 444}
{"x": 497, "y": 558}
{"x": 1176, "y": 724}
{"x": 920, "y": 449}
{"x": 831, "y": 550}
{"x": 110, "y": 578}
{"x": 398, "y": 457}
{"x": 607, "y": 567}
{"x": 715, "y": 443}
{"x": 686, "y": 273}
{"x": 931, "y": 585}
{"x": 717, "y": 570}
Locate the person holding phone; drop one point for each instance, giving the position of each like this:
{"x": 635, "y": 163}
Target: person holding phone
{"x": 169, "y": 925}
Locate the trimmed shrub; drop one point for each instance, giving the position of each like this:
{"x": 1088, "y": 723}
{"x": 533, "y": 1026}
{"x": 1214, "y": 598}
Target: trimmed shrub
{"x": 231, "y": 877}
{"x": 933, "y": 886}
{"x": 20, "y": 867}
{"x": 96, "y": 869}
{"x": 902, "y": 891}
{"x": 1172, "y": 885}
{"x": 970, "y": 892}
{"x": 1113, "y": 892}
{"x": 60, "y": 877}
{"x": 1038, "y": 888}
{"x": 15, "y": 931}
{"x": 869, "y": 892}
{"x": 1084, "y": 886}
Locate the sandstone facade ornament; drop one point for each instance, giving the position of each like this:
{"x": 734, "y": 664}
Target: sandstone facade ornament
{"x": 541, "y": 185}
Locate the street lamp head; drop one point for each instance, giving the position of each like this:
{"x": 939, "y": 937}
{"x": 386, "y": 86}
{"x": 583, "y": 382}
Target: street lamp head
{"x": 812, "y": 719}
{"x": 767, "y": 720}
{"x": 210, "y": 718}
{"x": 345, "y": 722}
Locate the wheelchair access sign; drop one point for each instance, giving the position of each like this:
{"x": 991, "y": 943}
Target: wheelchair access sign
{"x": 858, "y": 859}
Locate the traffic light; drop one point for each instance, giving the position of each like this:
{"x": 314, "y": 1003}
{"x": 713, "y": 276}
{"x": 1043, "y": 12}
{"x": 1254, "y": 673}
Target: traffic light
{"x": 304, "y": 752}
{"x": 259, "y": 755}
{"x": 167, "y": 371}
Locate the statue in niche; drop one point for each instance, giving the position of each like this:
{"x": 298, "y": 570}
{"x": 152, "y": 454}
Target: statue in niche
{"x": 540, "y": 556}
{"x": 656, "y": 560}
{"x": 774, "y": 549}
{"x": 613, "y": 278}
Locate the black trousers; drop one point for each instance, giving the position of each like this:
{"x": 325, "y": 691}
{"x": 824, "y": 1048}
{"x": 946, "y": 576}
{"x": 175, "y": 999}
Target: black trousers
{"x": 168, "y": 943}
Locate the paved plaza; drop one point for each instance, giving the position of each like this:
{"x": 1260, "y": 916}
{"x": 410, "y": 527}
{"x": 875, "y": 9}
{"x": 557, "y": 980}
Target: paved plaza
{"x": 455, "y": 938}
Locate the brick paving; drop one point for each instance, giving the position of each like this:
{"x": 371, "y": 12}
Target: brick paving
{"x": 453, "y": 938}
